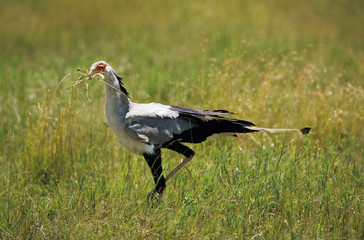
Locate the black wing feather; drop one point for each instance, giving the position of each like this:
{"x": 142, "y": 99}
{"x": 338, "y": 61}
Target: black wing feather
{"x": 207, "y": 123}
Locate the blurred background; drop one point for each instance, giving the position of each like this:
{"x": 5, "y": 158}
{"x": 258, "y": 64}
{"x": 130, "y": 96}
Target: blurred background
{"x": 167, "y": 41}
{"x": 276, "y": 63}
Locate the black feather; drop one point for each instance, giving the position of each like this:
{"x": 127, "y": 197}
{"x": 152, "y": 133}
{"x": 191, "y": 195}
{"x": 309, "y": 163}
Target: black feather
{"x": 305, "y": 130}
{"x": 208, "y": 123}
{"x": 122, "y": 88}
{"x": 194, "y": 112}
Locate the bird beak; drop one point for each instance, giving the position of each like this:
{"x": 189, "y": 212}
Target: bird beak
{"x": 90, "y": 75}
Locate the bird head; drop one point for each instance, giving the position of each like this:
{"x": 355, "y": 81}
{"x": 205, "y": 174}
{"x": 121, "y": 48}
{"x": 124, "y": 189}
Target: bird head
{"x": 99, "y": 68}
{"x": 110, "y": 76}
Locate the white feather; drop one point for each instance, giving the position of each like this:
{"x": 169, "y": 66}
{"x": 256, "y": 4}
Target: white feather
{"x": 271, "y": 130}
{"x": 153, "y": 110}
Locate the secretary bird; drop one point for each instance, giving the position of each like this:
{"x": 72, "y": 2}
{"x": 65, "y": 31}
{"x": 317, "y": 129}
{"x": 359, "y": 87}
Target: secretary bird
{"x": 145, "y": 129}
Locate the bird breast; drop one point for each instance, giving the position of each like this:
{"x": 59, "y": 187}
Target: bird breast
{"x": 115, "y": 116}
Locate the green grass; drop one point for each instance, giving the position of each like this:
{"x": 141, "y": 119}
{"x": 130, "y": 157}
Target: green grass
{"x": 275, "y": 63}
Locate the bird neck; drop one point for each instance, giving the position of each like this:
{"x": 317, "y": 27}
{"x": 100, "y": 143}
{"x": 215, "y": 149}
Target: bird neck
{"x": 116, "y": 94}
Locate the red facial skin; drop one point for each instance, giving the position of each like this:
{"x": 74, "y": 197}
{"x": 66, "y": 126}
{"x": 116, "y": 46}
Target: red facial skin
{"x": 100, "y": 68}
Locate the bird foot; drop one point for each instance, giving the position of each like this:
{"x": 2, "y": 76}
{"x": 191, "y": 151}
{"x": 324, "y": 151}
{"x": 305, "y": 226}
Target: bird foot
{"x": 154, "y": 199}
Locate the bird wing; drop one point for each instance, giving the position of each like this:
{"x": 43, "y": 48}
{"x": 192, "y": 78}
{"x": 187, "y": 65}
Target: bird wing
{"x": 156, "y": 131}
{"x": 159, "y": 124}
{"x": 154, "y": 123}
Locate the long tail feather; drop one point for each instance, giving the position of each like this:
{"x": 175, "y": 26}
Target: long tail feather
{"x": 305, "y": 130}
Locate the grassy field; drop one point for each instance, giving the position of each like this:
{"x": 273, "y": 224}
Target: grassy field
{"x": 275, "y": 63}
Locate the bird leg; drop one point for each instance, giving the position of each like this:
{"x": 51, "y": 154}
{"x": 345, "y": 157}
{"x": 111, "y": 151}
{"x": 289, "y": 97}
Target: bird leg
{"x": 154, "y": 198}
{"x": 184, "y": 162}
{"x": 155, "y": 163}
{"x": 182, "y": 149}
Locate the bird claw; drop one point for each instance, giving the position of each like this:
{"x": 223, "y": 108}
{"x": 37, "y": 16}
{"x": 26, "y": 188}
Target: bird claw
{"x": 154, "y": 198}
